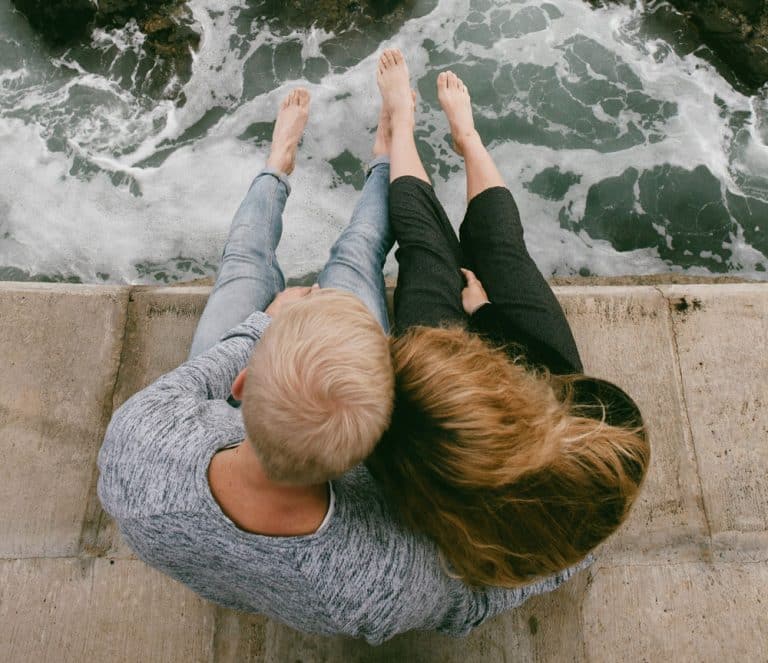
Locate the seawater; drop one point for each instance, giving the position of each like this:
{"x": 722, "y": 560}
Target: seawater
{"x": 624, "y": 157}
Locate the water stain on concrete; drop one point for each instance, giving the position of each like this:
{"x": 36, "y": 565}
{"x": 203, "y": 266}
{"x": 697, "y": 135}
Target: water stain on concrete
{"x": 682, "y": 305}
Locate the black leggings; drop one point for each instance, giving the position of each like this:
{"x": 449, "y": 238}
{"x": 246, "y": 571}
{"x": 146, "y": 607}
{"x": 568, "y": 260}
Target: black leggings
{"x": 429, "y": 282}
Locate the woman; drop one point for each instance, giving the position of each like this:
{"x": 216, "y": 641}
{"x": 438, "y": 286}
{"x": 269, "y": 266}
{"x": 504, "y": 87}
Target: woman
{"x": 500, "y": 449}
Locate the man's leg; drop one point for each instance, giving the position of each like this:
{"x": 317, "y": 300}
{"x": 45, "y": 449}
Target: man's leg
{"x": 429, "y": 282}
{"x": 249, "y": 276}
{"x": 358, "y": 255}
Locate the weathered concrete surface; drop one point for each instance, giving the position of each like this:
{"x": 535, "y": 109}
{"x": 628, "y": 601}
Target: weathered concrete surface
{"x": 625, "y": 335}
{"x": 721, "y": 339}
{"x": 98, "y": 610}
{"x": 685, "y": 579}
{"x": 682, "y": 612}
{"x": 161, "y": 323}
{"x": 59, "y": 357}
{"x": 158, "y": 333}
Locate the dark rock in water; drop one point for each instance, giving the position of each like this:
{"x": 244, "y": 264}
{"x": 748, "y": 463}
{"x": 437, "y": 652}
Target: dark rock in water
{"x": 171, "y": 35}
{"x": 684, "y": 214}
{"x": 333, "y": 15}
{"x": 167, "y": 24}
{"x": 59, "y": 21}
{"x": 735, "y": 32}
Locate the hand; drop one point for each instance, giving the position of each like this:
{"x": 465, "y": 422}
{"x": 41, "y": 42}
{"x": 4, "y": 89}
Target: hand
{"x": 288, "y": 296}
{"x": 473, "y": 296}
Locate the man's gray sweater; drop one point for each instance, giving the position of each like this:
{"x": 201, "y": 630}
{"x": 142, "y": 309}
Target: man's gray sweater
{"x": 361, "y": 574}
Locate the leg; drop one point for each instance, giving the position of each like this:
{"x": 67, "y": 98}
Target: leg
{"x": 358, "y": 255}
{"x": 429, "y": 282}
{"x": 454, "y": 98}
{"x": 398, "y": 102}
{"x": 492, "y": 235}
{"x": 249, "y": 276}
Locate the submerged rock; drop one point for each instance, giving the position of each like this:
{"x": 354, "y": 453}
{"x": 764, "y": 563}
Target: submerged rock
{"x": 168, "y": 27}
{"x": 734, "y": 33}
{"x": 59, "y": 21}
{"x": 334, "y": 15}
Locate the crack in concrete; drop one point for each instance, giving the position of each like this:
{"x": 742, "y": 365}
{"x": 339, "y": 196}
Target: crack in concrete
{"x": 89, "y": 546}
{"x": 679, "y": 375}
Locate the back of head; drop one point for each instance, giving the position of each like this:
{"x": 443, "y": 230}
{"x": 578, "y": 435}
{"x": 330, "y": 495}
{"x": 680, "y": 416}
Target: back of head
{"x": 514, "y": 475}
{"x": 319, "y": 389}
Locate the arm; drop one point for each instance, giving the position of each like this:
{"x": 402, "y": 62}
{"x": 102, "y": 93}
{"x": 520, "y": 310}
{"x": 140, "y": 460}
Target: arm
{"x": 210, "y": 375}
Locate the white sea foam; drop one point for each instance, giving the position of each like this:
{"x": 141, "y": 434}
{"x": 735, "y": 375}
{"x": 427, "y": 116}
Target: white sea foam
{"x": 56, "y": 221}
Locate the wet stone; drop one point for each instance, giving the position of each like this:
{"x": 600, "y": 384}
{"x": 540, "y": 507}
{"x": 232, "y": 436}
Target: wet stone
{"x": 526, "y": 21}
{"x": 259, "y": 75}
{"x": 348, "y": 169}
{"x": 551, "y": 184}
{"x": 477, "y": 34}
{"x": 258, "y": 132}
{"x": 552, "y": 11}
{"x": 682, "y": 213}
{"x": 288, "y": 64}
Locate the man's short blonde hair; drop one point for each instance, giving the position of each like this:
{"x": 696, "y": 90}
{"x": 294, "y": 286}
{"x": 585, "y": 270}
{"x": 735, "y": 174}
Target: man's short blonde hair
{"x": 319, "y": 388}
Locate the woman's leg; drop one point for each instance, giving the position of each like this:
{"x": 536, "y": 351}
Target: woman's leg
{"x": 429, "y": 282}
{"x": 358, "y": 255}
{"x": 492, "y": 235}
{"x": 249, "y": 276}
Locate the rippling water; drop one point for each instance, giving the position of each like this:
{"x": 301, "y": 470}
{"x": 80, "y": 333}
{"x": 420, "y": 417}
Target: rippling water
{"x": 624, "y": 157}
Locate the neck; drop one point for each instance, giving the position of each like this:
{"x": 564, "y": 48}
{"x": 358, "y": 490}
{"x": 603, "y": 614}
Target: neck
{"x": 247, "y": 468}
{"x": 257, "y": 503}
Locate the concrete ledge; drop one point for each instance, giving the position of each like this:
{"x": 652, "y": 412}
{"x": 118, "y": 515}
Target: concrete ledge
{"x": 60, "y": 351}
{"x": 99, "y": 610}
{"x": 685, "y": 578}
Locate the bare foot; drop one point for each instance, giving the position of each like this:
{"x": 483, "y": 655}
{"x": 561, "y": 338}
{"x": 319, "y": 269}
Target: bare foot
{"x": 383, "y": 135}
{"x": 383, "y": 140}
{"x": 457, "y": 106}
{"x": 394, "y": 85}
{"x": 291, "y": 120}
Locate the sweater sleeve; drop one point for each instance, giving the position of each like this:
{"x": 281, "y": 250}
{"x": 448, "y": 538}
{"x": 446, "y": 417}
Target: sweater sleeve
{"x": 210, "y": 375}
{"x": 491, "y": 322}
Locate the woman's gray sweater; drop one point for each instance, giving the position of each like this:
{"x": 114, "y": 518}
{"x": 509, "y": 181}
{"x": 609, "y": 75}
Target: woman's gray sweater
{"x": 361, "y": 574}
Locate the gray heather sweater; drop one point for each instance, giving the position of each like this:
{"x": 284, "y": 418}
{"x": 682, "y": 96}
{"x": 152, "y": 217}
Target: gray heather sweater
{"x": 361, "y": 574}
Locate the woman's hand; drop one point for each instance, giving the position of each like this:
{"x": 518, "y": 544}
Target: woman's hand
{"x": 288, "y": 296}
{"x": 473, "y": 296}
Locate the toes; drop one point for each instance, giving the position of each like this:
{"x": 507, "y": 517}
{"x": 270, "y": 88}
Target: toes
{"x": 442, "y": 80}
{"x": 397, "y": 56}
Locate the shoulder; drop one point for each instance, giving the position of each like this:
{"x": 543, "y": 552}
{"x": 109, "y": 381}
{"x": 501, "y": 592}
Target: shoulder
{"x": 376, "y": 577}
{"x": 155, "y": 452}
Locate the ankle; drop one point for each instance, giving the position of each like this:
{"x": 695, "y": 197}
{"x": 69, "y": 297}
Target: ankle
{"x": 467, "y": 140}
{"x": 280, "y": 160}
{"x": 402, "y": 117}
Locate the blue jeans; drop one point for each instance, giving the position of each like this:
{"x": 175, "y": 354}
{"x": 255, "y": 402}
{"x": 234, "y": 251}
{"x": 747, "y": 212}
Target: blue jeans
{"x": 249, "y": 276}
